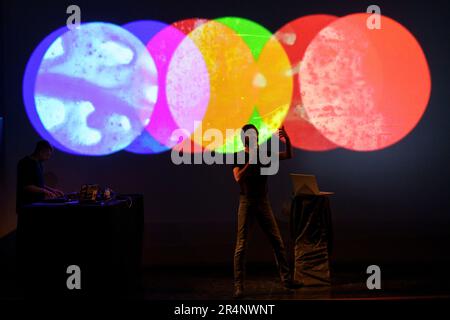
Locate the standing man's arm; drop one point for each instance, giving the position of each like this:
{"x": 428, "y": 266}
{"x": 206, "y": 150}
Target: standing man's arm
{"x": 240, "y": 172}
{"x": 288, "y": 153}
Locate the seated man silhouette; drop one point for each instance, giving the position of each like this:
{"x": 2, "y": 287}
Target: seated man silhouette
{"x": 30, "y": 177}
{"x": 254, "y": 204}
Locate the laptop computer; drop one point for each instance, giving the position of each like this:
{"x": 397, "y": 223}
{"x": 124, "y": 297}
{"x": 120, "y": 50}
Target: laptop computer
{"x": 306, "y": 184}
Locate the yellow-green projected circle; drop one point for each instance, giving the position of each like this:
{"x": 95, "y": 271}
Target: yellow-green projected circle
{"x": 231, "y": 70}
{"x": 273, "y": 80}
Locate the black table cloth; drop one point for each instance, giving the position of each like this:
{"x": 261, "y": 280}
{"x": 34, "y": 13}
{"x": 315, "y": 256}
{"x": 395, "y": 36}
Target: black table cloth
{"x": 311, "y": 230}
{"x": 103, "y": 239}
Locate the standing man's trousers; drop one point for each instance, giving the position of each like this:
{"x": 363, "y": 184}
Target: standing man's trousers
{"x": 259, "y": 209}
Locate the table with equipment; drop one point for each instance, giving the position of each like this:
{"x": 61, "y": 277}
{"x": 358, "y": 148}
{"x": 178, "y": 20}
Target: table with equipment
{"x": 104, "y": 239}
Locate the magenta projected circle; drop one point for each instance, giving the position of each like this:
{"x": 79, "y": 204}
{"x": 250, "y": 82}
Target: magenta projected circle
{"x": 183, "y": 85}
{"x": 145, "y": 143}
{"x": 95, "y": 89}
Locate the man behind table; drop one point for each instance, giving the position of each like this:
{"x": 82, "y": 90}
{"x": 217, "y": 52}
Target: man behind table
{"x": 30, "y": 177}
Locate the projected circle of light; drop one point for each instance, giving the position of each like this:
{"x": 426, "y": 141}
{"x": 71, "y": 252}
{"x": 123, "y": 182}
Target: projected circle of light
{"x": 145, "y": 143}
{"x": 272, "y": 80}
{"x": 184, "y": 83}
{"x": 231, "y": 69}
{"x": 295, "y": 36}
{"x": 364, "y": 89}
{"x": 95, "y": 89}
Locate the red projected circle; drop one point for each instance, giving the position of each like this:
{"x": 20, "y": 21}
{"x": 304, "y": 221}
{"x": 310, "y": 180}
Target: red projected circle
{"x": 295, "y": 36}
{"x": 364, "y": 89}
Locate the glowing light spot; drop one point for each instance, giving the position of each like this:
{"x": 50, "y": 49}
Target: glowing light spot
{"x": 55, "y": 50}
{"x": 116, "y": 53}
{"x": 83, "y": 135}
{"x": 118, "y": 122}
{"x": 52, "y": 111}
{"x": 151, "y": 94}
{"x": 259, "y": 81}
{"x": 288, "y": 38}
{"x": 293, "y": 71}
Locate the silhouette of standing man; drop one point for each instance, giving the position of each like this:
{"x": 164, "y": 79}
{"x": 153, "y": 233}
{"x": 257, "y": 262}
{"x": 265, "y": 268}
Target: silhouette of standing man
{"x": 254, "y": 204}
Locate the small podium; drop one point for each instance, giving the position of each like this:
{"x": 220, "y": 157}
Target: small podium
{"x": 311, "y": 230}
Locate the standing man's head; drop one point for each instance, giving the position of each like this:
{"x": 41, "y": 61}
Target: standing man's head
{"x": 43, "y": 150}
{"x": 249, "y": 134}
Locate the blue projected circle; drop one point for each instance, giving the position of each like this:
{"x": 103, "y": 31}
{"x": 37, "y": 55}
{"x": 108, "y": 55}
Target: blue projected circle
{"x": 95, "y": 89}
{"x": 145, "y": 30}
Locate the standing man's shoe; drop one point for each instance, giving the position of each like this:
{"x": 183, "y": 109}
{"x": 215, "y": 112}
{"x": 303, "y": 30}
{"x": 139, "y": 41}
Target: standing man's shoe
{"x": 292, "y": 284}
{"x": 238, "y": 293}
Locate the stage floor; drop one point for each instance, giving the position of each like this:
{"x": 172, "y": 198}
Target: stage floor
{"x": 215, "y": 283}
{"x": 403, "y": 281}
